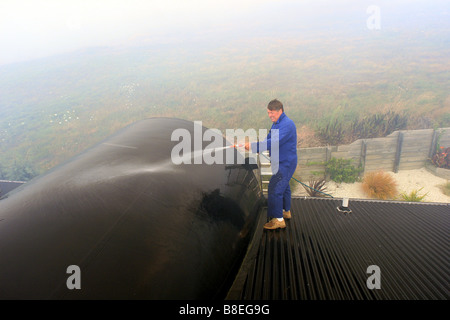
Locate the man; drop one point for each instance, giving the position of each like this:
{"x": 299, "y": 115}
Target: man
{"x": 283, "y": 135}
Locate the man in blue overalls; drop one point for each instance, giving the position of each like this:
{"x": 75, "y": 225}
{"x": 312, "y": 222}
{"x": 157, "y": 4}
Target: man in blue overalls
{"x": 282, "y": 145}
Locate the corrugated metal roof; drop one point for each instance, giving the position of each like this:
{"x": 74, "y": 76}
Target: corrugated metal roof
{"x": 7, "y": 186}
{"x": 324, "y": 254}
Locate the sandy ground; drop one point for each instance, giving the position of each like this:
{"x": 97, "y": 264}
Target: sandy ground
{"x": 407, "y": 181}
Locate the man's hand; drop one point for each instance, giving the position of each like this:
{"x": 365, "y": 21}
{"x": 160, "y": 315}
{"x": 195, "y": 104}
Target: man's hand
{"x": 247, "y": 146}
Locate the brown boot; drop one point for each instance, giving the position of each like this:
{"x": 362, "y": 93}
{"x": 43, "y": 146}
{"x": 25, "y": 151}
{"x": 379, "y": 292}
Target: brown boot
{"x": 275, "y": 224}
{"x": 287, "y": 214}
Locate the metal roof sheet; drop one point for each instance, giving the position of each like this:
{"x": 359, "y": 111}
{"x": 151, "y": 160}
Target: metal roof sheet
{"x": 7, "y": 186}
{"x": 324, "y": 254}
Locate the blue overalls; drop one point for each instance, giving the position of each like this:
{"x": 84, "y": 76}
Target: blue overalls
{"x": 283, "y": 162}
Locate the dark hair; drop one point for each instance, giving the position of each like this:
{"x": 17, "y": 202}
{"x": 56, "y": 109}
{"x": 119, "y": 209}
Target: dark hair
{"x": 275, "y": 105}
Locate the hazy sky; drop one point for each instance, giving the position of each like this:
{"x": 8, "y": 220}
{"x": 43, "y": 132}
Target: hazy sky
{"x": 38, "y": 28}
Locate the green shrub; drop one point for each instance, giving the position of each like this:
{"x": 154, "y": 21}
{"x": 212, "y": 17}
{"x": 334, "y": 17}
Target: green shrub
{"x": 342, "y": 170}
{"x": 413, "y": 196}
{"x": 340, "y": 130}
{"x": 378, "y": 125}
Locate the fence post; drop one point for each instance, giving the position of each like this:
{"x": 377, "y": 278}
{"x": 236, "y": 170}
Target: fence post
{"x": 327, "y": 154}
{"x": 433, "y": 144}
{"x": 362, "y": 157}
{"x": 398, "y": 151}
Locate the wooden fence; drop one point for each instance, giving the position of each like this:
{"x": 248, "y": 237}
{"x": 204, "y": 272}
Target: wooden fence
{"x": 401, "y": 150}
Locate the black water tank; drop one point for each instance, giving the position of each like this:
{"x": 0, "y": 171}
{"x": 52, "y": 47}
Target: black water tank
{"x": 136, "y": 225}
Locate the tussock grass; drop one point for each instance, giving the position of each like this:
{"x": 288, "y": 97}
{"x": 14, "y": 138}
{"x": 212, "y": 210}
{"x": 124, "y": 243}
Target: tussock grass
{"x": 379, "y": 185}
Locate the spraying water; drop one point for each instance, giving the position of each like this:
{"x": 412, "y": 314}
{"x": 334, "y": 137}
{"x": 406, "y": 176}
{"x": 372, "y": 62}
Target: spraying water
{"x": 200, "y": 153}
{"x": 129, "y": 169}
{"x": 207, "y": 151}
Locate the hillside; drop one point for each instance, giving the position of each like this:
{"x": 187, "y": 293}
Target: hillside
{"x": 53, "y": 108}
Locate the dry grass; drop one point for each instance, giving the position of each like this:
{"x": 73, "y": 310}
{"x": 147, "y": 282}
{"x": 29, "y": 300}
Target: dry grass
{"x": 306, "y": 138}
{"x": 379, "y": 185}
